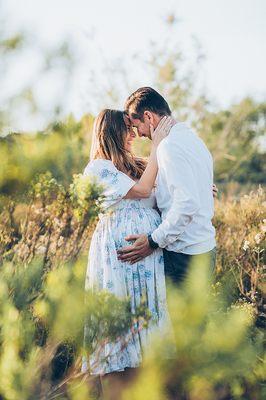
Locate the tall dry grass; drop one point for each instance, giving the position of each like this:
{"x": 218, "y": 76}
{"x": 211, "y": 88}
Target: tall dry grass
{"x": 241, "y": 233}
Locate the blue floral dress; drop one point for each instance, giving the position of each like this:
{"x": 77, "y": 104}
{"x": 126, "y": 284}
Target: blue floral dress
{"x": 145, "y": 278}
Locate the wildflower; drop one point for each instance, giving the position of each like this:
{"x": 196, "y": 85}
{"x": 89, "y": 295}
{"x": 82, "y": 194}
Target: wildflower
{"x": 258, "y": 238}
{"x": 60, "y": 241}
{"x": 260, "y": 191}
{"x": 40, "y": 250}
{"x": 246, "y": 245}
{"x": 57, "y": 222}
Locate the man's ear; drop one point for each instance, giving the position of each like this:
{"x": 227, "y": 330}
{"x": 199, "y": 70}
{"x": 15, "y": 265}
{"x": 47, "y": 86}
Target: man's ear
{"x": 149, "y": 116}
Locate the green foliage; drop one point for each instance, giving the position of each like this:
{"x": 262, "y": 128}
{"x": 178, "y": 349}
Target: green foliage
{"x": 40, "y": 311}
{"x": 84, "y": 193}
{"x": 62, "y": 150}
{"x": 235, "y": 138}
{"x": 210, "y": 354}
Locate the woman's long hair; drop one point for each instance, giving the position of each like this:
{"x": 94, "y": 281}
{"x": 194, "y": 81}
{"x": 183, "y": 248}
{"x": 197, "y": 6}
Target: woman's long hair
{"x": 108, "y": 142}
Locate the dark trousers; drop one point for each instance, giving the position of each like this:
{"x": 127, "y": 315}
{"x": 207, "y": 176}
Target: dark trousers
{"x": 176, "y": 264}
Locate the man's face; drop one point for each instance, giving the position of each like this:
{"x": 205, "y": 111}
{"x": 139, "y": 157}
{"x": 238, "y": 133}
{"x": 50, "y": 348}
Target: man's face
{"x": 142, "y": 127}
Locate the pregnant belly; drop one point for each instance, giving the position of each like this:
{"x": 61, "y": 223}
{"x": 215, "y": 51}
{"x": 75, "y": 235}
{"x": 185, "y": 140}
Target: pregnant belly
{"x": 124, "y": 222}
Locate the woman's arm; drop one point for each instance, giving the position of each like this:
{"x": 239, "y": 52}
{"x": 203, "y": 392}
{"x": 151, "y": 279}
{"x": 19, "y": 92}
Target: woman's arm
{"x": 142, "y": 189}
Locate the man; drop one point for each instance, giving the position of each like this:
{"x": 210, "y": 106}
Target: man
{"x": 183, "y": 190}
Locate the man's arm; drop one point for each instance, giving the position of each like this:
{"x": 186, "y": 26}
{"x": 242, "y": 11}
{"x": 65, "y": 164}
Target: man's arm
{"x": 181, "y": 183}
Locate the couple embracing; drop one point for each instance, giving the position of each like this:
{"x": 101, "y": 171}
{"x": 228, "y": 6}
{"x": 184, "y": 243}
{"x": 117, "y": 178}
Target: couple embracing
{"x": 159, "y": 216}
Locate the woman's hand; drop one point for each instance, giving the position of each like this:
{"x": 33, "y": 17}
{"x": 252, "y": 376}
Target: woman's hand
{"x": 162, "y": 130}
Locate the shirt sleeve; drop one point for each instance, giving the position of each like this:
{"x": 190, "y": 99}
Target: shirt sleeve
{"x": 181, "y": 182}
{"x": 116, "y": 184}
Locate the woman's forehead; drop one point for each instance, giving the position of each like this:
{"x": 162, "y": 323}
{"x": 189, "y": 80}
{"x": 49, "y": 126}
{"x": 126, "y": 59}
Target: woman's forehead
{"x": 127, "y": 120}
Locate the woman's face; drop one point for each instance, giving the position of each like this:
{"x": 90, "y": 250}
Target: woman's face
{"x": 130, "y": 136}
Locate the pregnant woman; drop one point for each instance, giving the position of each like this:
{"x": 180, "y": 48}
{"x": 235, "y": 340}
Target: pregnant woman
{"x": 131, "y": 209}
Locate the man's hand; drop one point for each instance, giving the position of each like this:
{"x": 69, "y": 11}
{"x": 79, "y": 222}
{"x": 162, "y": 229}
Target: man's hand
{"x": 137, "y": 251}
{"x": 215, "y": 190}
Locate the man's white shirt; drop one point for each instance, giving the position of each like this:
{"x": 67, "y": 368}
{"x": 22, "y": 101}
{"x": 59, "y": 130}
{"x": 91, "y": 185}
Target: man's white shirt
{"x": 184, "y": 193}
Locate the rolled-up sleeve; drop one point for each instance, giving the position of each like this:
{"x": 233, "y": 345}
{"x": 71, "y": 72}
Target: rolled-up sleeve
{"x": 181, "y": 181}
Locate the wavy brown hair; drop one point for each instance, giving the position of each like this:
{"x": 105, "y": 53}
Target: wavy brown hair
{"x": 108, "y": 142}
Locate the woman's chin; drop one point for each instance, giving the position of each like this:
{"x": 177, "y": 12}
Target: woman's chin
{"x": 128, "y": 147}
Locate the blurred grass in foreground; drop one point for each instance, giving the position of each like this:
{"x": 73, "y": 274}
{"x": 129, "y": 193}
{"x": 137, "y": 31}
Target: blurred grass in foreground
{"x": 215, "y": 350}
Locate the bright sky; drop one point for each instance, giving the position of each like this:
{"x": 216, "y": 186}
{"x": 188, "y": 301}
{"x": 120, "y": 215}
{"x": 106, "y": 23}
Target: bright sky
{"x": 232, "y": 34}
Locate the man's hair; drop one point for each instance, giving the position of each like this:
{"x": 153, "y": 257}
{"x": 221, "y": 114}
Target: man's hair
{"x": 146, "y": 99}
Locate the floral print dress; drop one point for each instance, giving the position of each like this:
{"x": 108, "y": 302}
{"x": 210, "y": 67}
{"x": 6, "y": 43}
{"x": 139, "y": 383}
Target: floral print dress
{"x": 146, "y": 278}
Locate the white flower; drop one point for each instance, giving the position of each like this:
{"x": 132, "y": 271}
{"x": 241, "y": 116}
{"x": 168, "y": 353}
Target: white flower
{"x": 60, "y": 241}
{"x": 40, "y": 250}
{"x": 246, "y": 245}
{"x": 258, "y": 238}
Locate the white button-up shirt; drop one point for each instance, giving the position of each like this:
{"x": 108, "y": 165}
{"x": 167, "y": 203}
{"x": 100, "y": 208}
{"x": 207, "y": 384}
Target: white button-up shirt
{"x": 184, "y": 193}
